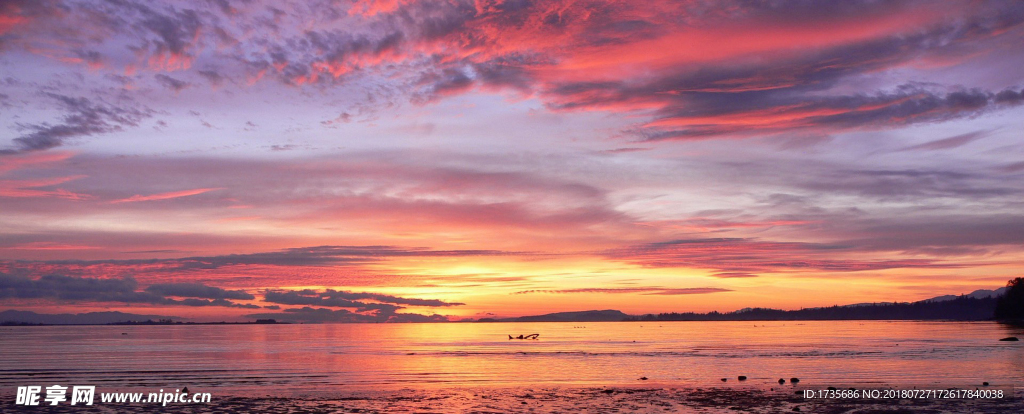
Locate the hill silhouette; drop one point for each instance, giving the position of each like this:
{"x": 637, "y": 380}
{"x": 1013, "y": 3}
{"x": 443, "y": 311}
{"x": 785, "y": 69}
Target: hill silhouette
{"x": 963, "y": 308}
{"x": 582, "y": 316}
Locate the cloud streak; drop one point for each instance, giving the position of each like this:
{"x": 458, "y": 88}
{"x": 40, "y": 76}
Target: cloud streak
{"x": 344, "y": 299}
{"x": 321, "y": 315}
{"x": 747, "y": 257}
{"x": 165, "y": 196}
{"x": 197, "y": 290}
{"x": 949, "y": 143}
{"x": 639, "y": 290}
{"x": 124, "y": 290}
{"x": 354, "y": 257}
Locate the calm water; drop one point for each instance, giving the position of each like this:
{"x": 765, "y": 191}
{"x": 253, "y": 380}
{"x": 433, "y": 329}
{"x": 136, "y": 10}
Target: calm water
{"x": 286, "y": 360}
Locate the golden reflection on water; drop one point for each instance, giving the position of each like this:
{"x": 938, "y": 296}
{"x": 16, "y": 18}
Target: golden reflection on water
{"x": 309, "y": 358}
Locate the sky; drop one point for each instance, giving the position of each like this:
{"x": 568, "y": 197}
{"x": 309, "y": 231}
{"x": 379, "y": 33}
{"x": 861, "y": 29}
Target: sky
{"x": 407, "y": 160}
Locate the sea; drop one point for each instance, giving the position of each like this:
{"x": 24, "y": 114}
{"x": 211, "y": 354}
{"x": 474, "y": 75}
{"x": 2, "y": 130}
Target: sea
{"x": 284, "y": 360}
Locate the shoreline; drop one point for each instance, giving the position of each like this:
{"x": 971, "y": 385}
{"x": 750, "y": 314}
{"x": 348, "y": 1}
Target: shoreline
{"x": 637, "y": 398}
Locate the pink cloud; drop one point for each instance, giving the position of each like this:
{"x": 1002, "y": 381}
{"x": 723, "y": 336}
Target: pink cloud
{"x": 165, "y": 196}
{"x": 20, "y": 161}
{"x": 51, "y": 246}
{"x": 29, "y": 188}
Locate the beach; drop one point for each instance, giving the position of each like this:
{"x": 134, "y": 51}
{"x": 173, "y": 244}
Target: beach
{"x": 442, "y": 368}
{"x": 559, "y": 400}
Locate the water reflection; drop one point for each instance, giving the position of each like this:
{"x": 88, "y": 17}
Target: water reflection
{"x": 303, "y": 358}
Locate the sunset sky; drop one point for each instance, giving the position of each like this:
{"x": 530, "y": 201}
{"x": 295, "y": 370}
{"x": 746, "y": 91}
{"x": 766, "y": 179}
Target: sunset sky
{"x": 398, "y": 159}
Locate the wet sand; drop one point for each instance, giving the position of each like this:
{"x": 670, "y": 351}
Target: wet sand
{"x": 557, "y": 400}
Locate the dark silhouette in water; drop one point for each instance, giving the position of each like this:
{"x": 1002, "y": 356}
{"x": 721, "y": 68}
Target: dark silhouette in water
{"x": 1010, "y": 307}
{"x": 530, "y": 336}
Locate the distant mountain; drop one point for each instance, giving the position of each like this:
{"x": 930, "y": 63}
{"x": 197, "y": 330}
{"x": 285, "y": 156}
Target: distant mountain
{"x": 961, "y": 308}
{"x": 977, "y": 305}
{"x": 91, "y": 318}
{"x": 582, "y": 316}
{"x": 977, "y": 294}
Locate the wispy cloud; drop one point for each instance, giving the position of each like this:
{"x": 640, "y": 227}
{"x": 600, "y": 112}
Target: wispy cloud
{"x": 294, "y": 257}
{"x": 353, "y": 300}
{"x": 321, "y": 315}
{"x": 31, "y": 188}
{"x": 732, "y": 256}
{"x": 165, "y": 196}
{"x": 51, "y": 246}
{"x": 949, "y": 143}
{"x": 83, "y": 117}
{"x": 639, "y": 290}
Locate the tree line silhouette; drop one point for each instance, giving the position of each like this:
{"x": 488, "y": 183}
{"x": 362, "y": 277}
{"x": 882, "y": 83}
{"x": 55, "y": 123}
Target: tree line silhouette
{"x": 1009, "y": 307}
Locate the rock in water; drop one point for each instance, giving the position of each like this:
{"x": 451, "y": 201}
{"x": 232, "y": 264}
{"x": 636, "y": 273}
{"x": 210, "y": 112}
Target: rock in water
{"x": 794, "y": 380}
{"x": 742, "y": 377}
{"x": 1010, "y": 339}
{"x": 782, "y": 381}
